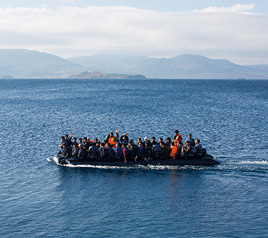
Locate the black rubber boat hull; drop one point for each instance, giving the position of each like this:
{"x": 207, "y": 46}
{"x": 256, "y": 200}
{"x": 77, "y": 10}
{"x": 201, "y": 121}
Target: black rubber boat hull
{"x": 205, "y": 161}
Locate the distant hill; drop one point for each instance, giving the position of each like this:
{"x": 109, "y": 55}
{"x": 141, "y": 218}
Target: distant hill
{"x": 99, "y": 75}
{"x": 22, "y": 63}
{"x": 179, "y": 67}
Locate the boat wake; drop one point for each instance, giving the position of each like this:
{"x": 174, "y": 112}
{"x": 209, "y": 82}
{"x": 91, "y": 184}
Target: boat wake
{"x": 248, "y": 162}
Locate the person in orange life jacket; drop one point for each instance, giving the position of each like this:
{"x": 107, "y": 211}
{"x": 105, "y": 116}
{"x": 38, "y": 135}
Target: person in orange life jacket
{"x": 124, "y": 139}
{"x": 174, "y": 150}
{"x": 125, "y": 153}
{"x": 190, "y": 140}
{"x": 111, "y": 139}
{"x": 177, "y": 136}
{"x": 118, "y": 151}
{"x": 198, "y": 149}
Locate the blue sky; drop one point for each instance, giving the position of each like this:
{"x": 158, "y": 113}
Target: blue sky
{"x": 229, "y": 29}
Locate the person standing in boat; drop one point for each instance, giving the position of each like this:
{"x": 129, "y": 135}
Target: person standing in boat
{"x": 124, "y": 139}
{"x": 111, "y": 139}
{"x": 198, "y": 150}
{"x": 177, "y": 137}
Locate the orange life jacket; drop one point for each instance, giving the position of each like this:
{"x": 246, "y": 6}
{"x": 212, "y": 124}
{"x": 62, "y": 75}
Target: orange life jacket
{"x": 178, "y": 138}
{"x": 174, "y": 149}
{"x": 111, "y": 141}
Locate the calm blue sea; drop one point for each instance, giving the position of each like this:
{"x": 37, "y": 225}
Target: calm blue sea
{"x": 40, "y": 199}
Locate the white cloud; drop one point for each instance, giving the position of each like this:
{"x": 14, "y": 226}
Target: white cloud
{"x": 237, "y": 8}
{"x": 73, "y": 31}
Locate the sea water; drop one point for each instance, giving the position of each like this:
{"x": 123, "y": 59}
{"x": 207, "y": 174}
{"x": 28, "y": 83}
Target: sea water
{"x": 41, "y": 199}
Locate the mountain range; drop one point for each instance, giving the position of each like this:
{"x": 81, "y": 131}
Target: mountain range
{"x": 20, "y": 63}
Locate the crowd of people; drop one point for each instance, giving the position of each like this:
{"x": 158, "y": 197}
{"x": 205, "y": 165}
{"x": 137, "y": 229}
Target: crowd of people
{"x": 115, "y": 148}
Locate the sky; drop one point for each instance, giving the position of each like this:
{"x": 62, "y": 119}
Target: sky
{"x": 227, "y": 29}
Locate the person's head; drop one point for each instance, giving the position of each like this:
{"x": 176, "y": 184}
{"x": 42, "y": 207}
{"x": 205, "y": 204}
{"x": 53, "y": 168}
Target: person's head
{"x": 139, "y": 140}
{"x": 160, "y": 139}
{"x": 146, "y": 138}
{"x": 74, "y": 139}
{"x": 66, "y": 136}
{"x": 111, "y": 134}
{"x": 190, "y": 136}
{"x": 153, "y": 138}
{"x": 96, "y": 140}
{"x": 62, "y": 138}
{"x": 176, "y": 132}
{"x": 80, "y": 140}
{"x": 85, "y": 139}
{"x": 168, "y": 140}
{"x": 197, "y": 141}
